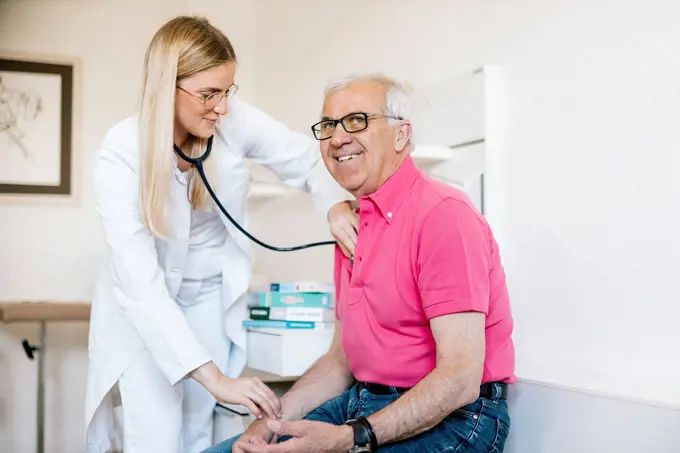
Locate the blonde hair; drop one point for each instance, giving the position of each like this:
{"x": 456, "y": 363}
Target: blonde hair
{"x": 181, "y": 48}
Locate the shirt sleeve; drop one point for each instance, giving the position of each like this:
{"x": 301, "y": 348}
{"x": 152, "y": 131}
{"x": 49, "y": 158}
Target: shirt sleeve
{"x": 454, "y": 260}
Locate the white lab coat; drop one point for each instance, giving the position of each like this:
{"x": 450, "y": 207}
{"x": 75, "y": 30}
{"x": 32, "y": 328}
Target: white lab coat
{"x": 133, "y": 307}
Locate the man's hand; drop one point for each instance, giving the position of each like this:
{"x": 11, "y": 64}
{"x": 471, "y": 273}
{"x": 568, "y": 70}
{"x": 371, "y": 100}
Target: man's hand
{"x": 306, "y": 437}
{"x": 344, "y": 224}
{"x": 257, "y": 433}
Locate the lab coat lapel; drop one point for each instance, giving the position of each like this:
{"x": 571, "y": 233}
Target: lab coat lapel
{"x": 232, "y": 190}
{"x": 175, "y": 250}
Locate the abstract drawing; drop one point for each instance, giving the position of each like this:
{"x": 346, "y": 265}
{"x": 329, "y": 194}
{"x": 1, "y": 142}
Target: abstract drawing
{"x": 35, "y": 127}
{"x": 16, "y": 107}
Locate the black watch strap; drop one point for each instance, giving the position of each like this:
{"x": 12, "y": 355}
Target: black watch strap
{"x": 363, "y": 433}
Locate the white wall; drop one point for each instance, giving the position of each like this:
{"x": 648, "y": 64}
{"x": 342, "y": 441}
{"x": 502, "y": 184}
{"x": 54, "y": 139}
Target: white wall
{"x": 35, "y": 261}
{"x": 593, "y": 105}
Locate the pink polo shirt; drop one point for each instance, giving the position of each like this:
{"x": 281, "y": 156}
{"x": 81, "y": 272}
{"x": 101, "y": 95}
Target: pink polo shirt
{"x": 423, "y": 251}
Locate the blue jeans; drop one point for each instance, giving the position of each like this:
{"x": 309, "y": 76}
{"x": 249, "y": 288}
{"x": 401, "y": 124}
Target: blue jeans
{"x": 479, "y": 427}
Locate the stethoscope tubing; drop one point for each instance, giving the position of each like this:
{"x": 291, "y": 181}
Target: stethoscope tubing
{"x": 198, "y": 162}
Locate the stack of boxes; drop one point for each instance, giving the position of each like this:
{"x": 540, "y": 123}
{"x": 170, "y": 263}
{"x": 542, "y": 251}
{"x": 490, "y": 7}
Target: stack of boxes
{"x": 292, "y": 305}
{"x": 290, "y": 326}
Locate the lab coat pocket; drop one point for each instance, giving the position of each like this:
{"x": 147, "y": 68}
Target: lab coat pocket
{"x": 188, "y": 293}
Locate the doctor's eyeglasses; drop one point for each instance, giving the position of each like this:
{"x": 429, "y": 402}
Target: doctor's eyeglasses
{"x": 212, "y": 100}
{"x": 353, "y": 122}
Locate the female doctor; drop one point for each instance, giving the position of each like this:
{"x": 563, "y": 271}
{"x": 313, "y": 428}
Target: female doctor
{"x": 166, "y": 315}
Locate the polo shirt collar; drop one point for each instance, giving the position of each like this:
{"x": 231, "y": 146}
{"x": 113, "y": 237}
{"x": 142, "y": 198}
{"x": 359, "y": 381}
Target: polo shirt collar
{"x": 391, "y": 194}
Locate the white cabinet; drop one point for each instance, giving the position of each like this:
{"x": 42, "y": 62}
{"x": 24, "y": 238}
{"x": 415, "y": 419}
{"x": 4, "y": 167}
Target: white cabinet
{"x": 286, "y": 352}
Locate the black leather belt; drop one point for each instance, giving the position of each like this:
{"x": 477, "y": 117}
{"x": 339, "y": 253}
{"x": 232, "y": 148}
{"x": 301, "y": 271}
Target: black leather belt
{"x": 486, "y": 390}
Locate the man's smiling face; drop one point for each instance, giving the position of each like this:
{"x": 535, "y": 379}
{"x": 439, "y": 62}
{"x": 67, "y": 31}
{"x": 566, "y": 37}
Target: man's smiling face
{"x": 360, "y": 161}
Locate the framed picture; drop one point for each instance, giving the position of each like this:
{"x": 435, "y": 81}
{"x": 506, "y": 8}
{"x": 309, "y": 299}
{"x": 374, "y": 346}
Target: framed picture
{"x": 36, "y": 127}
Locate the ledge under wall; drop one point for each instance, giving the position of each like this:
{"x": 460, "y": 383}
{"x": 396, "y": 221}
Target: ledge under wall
{"x": 548, "y": 418}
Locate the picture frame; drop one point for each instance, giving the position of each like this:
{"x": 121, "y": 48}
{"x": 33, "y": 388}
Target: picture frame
{"x": 39, "y": 118}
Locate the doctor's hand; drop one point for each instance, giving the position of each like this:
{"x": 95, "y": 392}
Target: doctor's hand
{"x": 344, "y": 224}
{"x": 249, "y": 392}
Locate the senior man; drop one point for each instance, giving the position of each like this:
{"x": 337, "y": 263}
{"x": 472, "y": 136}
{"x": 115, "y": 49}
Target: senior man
{"x": 422, "y": 353}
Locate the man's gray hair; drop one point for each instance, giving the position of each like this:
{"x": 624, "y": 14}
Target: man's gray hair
{"x": 397, "y": 96}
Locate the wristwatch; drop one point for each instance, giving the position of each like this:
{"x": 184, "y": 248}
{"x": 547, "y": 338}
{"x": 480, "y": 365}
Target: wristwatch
{"x": 364, "y": 437}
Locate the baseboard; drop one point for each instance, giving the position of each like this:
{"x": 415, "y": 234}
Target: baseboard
{"x": 549, "y": 418}
{"x": 600, "y": 394}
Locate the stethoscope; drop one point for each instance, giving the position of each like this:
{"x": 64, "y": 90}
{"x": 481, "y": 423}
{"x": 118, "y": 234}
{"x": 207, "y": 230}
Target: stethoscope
{"x": 198, "y": 162}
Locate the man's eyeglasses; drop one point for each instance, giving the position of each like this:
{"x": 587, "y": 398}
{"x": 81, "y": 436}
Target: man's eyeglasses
{"x": 353, "y": 122}
{"x": 213, "y": 100}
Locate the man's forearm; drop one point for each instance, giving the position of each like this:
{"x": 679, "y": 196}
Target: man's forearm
{"x": 325, "y": 380}
{"x": 424, "y": 406}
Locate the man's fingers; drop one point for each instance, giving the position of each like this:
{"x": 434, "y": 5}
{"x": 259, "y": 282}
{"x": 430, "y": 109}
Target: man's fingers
{"x": 237, "y": 447}
{"x": 251, "y": 448}
{"x": 288, "y": 446}
{"x": 284, "y": 447}
{"x": 257, "y": 440}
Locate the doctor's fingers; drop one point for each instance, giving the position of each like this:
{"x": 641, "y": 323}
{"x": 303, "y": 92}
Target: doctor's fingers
{"x": 269, "y": 393}
{"x": 264, "y": 403}
{"x": 258, "y": 405}
{"x": 347, "y": 238}
{"x": 352, "y": 232}
{"x": 345, "y": 250}
{"x": 354, "y": 220}
{"x": 264, "y": 397}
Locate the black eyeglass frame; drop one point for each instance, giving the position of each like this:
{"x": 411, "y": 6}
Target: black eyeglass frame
{"x": 341, "y": 121}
